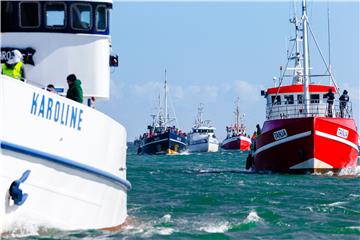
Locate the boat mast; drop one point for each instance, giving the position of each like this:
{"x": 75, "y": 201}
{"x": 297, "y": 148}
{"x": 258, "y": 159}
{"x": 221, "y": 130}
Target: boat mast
{"x": 200, "y": 115}
{"x": 306, "y": 59}
{"x": 165, "y": 102}
{"x": 330, "y": 81}
{"x": 237, "y": 116}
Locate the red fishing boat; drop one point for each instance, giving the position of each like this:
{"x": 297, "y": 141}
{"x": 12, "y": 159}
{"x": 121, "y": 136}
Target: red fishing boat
{"x": 306, "y": 130}
{"x": 236, "y": 138}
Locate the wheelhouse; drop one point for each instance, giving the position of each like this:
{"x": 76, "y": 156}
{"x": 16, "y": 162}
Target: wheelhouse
{"x": 58, "y": 38}
{"x": 203, "y": 130}
{"x": 287, "y": 102}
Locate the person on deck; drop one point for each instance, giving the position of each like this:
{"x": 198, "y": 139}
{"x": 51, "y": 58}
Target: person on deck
{"x": 14, "y": 66}
{"x": 344, "y": 98}
{"x": 51, "y": 88}
{"x": 330, "y": 101}
{"x": 75, "y": 91}
{"x": 258, "y": 130}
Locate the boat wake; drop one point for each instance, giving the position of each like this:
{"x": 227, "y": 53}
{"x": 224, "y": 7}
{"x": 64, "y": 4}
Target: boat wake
{"x": 345, "y": 172}
{"x": 166, "y": 225}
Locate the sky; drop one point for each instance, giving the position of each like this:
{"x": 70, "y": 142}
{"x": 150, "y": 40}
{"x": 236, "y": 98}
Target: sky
{"x": 215, "y": 52}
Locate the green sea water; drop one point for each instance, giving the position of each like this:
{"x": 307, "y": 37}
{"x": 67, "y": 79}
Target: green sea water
{"x": 211, "y": 196}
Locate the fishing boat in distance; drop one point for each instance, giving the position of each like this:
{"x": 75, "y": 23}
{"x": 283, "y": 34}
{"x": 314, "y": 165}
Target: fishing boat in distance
{"x": 202, "y": 136}
{"x": 162, "y": 137}
{"x": 63, "y": 163}
{"x": 236, "y": 138}
{"x": 306, "y": 129}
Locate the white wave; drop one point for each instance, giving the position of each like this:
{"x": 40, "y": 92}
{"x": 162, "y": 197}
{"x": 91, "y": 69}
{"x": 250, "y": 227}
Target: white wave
{"x": 310, "y": 209}
{"x": 253, "y": 217}
{"x": 220, "y": 227}
{"x": 184, "y": 153}
{"x": 158, "y": 231}
{"x": 335, "y": 204}
{"x": 354, "y": 195}
{"x": 241, "y": 183}
{"x": 149, "y": 229}
{"x": 354, "y": 228}
{"x": 166, "y": 218}
{"x": 24, "y": 227}
{"x": 350, "y": 171}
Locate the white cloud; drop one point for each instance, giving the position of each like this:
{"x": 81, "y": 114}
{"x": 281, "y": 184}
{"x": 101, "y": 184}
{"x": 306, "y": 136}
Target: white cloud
{"x": 247, "y": 91}
{"x": 146, "y": 88}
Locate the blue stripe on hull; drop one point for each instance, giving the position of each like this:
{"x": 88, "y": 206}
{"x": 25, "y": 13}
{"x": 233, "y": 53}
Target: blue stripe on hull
{"x": 66, "y": 162}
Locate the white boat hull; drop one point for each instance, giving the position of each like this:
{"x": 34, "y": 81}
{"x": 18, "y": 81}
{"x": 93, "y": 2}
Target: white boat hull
{"x": 204, "y": 147}
{"x": 77, "y": 163}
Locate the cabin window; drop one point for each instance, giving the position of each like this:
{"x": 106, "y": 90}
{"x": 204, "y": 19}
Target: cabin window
{"x": 7, "y": 15}
{"x": 289, "y": 99}
{"x": 300, "y": 99}
{"x": 276, "y": 101}
{"x": 101, "y": 18}
{"x": 314, "y": 98}
{"x": 81, "y": 16}
{"x": 29, "y": 14}
{"x": 55, "y": 15}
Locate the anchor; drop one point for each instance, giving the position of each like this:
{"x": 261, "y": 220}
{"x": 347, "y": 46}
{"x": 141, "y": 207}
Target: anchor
{"x": 15, "y": 192}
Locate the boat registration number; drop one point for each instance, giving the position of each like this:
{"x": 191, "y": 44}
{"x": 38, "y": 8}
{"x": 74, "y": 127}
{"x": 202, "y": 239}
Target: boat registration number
{"x": 280, "y": 134}
{"x": 343, "y": 133}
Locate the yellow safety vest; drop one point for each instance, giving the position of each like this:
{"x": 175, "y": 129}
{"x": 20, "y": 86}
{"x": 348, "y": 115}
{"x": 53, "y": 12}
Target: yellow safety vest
{"x": 12, "y": 72}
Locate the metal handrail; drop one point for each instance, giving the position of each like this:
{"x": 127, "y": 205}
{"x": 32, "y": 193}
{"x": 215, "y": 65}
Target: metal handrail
{"x": 296, "y": 109}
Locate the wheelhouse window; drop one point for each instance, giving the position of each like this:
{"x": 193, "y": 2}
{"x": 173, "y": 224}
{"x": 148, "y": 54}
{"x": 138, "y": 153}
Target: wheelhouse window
{"x": 7, "y": 15}
{"x": 276, "y": 101}
{"x": 81, "y": 16}
{"x": 101, "y": 18}
{"x": 29, "y": 14}
{"x": 300, "y": 99}
{"x": 314, "y": 98}
{"x": 55, "y": 15}
{"x": 289, "y": 99}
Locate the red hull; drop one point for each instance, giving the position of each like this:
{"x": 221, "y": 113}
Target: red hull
{"x": 237, "y": 143}
{"x": 312, "y": 144}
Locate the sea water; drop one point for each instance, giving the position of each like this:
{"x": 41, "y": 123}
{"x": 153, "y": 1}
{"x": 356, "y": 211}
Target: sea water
{"x": 212, "y": 196}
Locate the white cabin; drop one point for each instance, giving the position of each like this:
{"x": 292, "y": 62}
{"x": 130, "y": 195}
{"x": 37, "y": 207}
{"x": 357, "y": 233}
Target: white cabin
{"x": 287, "y": 102}
{"x": 58, "y": 38}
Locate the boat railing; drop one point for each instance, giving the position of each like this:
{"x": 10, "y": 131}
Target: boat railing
{"x": 296, "y": 109}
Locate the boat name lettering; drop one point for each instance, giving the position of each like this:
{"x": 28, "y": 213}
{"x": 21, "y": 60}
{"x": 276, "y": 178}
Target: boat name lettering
{"x": 343, "y": 133}
{"x": 26, "y": 52}
{"x": 57, "y": 111}
{"x": 280, "y": 134}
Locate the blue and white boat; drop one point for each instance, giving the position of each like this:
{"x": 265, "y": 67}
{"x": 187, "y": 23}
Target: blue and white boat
{"x": 162, "y": 137}
{"x": 62, "y": 163}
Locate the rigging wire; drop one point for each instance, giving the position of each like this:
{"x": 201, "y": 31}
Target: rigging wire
{"x": 322, "y": 57}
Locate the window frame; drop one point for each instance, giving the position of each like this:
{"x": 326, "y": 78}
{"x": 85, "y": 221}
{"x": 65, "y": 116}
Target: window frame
{"x": 65, "y": 15}
{"x": 287, "y": 101}
{"x": 277, "y": 98}
{"x": 20, "y": 14}
{"x": 315, "y": 100}
{"x": 90, "y": 17}
{"x": 106, "y": 18}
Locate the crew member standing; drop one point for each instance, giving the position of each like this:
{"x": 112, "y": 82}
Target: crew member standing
{"x": 14, "y": 66}
{"x": 344, "y": 98}
{"x": 75, "y": 91}
{"x": 330, "y": 101}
